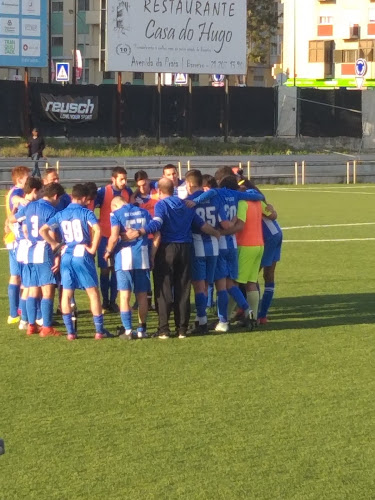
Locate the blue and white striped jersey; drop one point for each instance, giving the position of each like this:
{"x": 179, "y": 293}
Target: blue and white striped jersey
{"x": 34, "y": 216}
{"x": 270, "y": 228}
{"x": 210, "y": 211}
{"x": 230, "y": 199}
{"x": 74, "y": 224}
{"x": 131, "y": 254}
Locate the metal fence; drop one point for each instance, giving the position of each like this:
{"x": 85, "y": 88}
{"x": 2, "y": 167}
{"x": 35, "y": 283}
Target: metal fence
{"x": 270, "y": 171}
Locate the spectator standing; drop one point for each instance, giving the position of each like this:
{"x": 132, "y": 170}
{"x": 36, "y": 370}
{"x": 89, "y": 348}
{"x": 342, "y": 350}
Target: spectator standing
{"x": 36, "y": 146}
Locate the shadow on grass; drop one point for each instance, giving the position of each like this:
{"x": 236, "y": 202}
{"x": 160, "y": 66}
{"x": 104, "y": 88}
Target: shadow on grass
{"x": 317, "y": 311}
{"x": 307, "y": 312}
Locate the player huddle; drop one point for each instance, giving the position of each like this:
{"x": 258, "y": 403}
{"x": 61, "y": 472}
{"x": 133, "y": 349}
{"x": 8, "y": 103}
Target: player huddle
{"x": 208, "y": 232}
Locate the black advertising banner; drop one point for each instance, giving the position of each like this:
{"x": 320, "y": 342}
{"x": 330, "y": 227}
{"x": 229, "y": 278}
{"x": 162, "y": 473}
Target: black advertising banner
{"x": 66, "y": 108}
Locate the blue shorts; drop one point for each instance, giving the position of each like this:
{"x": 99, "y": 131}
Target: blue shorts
{"x": 272, "y": 250}
{"x": 78, "y": 272}
{"x": 41, "y": 275}
{"x": 25, "y": 274}
{"x": 203, "y": 268}
{"x": 227, "y": 264}
{"x": 14, "y": 267}
{"x": 137, "y": 280}
{"x": 102, "y": 263}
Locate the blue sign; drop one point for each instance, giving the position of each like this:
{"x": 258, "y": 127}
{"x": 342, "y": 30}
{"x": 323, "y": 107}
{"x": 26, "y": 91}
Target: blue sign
{"x": 360, "y": 67}
{"x": 62, "y": 72}
{"x": 23, "y": 33}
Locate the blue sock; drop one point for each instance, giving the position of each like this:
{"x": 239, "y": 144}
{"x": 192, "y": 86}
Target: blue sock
{"x": 210, "y": 296}
{"x": 38, "y": 310}
{"x": 104, "y": 288}
{"x": 126, "y": 318}
{"x": 238, "y": 297}
{"x": 23, "y": 309}
{"x": 31, "y": 309}
{"x": 67, "y": 318}
{"x": 14, "y": 299}
{"x": 46, "y": 307}
{"x": 269, "y": 289}
{"x": 222, "y": 306}
{"x": 200, "y": 304}
{"x": 99, "y": 323}
{"x": 113, "y": 287}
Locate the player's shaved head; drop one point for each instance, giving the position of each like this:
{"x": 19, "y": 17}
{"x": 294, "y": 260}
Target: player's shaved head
{"x": 117, "y": 202}
{"x": 166, "y": 186}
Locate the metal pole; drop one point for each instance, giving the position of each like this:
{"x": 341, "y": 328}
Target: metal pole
{"x": 248, "y": 170}
{"x": 355, "y": 172}
{"x": 294, "y": 43}
{"x": 158, "y": 133}
{"x": 303, "y": 173}
{"x": 226, "y": 109}
{"x": 74, "y": 67}
{"x": 27, "y": 105}
{"x": 118, "y": 107}
{"x": 49, "y": 41}
{"x": 190, "y": 108}
{"x": 348, "y": 172}
{"x": 188, "y": 165}
{"x": 179, "y": 170}
{"x": 296, "y": 173}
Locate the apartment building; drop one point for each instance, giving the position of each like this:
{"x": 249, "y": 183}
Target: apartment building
{"x": 324, "y": 38}
{"x": 77, "y": 23}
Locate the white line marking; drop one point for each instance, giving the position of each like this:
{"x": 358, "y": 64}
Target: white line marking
{"x": 299, "y": 190}
{"x": 331, "y": 225}
{"x": 325, "y": 241}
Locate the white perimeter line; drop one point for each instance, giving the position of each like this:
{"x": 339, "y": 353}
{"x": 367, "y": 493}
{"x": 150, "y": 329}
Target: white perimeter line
{"x": 331, "y": 225}
{"x": 299, "y": 190}
{"x": 308, "y": 187}
{"x": 325, "y": 241}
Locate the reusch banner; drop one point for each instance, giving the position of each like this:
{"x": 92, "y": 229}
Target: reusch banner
{"x": 66, "y": 108}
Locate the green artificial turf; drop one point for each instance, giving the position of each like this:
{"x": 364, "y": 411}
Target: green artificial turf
{"x": 284, "y": 412}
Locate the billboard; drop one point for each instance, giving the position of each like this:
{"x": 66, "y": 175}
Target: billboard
{"x": 178, "y": 36}
{"x": 23, "y": 33}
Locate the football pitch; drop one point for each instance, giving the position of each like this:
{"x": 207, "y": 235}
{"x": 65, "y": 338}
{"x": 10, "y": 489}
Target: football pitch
{"x": 283, "y": 412}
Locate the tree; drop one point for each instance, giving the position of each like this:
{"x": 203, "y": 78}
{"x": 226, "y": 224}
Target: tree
{"x": 262, "y": 23}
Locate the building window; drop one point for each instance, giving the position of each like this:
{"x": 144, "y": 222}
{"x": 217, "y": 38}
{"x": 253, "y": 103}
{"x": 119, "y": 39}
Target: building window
{"x": 36, "y": 75}
{"x": 316, "y": 51}
{"x": 108, "y": 75}
{"x": 366, "y": 49}
{"x": 57, "y": 41}
{"x": 83, "y": 5}
{"x": 138, "y": 76}
{"x": 326, "y": 20}
{"x": 371, "y": 16}
{"x": 349, "y": 56}
{"x": 194, "y": 78}
{"x": 57, "y": 6}
{"x": 86, "y": 75}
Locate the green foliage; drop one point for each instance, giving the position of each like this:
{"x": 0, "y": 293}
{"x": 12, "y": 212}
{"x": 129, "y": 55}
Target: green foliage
{"x": 149, "y": 147}
{"x": 284, "y": 412}
{"x": 262, "y": 21}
